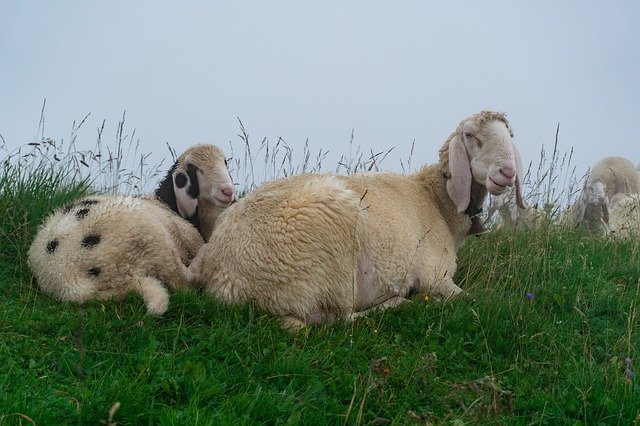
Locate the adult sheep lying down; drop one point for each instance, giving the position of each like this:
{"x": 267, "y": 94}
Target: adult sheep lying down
{"x": 320, "y": 247}
{"x": 609, "y": 177}
{"x": 104, "y": 246}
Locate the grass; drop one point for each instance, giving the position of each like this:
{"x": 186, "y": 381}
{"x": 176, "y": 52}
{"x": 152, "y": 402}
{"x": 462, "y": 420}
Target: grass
{"x": 546, "y": 334}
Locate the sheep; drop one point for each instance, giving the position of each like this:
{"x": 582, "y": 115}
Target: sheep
{"x": 609, "y": 176}
{"x": 513, "y": 216}
{"x": 316, "y": 247}
{"x": 103, "y": 246}
{"x": 624, "y": 216}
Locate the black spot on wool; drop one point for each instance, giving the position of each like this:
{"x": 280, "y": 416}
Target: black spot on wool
{"x": 67, "y": 208}
{"x": 94, "y": 271}
{"x": 52, "y": 245}
{"x": 194, "y": 189}
{"x": 90, "y": 240}
{"x": 89, "y": 202}
{"x": 82, "y": 213}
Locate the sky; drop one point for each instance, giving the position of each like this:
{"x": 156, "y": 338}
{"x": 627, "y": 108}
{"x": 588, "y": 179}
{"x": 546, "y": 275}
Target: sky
{"x": 393, "y": 73}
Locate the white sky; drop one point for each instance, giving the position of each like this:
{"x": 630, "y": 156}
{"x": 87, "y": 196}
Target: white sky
{"x": 394, "y": 71}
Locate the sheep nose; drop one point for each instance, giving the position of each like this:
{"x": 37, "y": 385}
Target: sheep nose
{"x": 508, "y": 171}
{"x": 228, "y": 190}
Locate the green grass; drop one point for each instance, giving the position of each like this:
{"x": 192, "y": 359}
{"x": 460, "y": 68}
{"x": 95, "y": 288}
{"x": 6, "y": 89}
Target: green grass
{"x": 492, "y": 356}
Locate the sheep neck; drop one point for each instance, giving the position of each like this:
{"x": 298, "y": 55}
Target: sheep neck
{"x": 434, "y": 183}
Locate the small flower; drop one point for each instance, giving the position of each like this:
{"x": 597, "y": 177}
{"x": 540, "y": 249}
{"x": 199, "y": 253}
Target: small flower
{"x": 530, "y": 296}
{"x": 628, "y": 372}
{"x": 426, "y": 299}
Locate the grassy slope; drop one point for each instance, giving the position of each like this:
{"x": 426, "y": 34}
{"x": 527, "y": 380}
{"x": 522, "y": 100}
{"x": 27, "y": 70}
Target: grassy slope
{"x": 493, "y": 355}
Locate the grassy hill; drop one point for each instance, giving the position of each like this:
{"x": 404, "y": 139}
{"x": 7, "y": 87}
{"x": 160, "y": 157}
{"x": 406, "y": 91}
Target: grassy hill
{"x": 547, "y": 333}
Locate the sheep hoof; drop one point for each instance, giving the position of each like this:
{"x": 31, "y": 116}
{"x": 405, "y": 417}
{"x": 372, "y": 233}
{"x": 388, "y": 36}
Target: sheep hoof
{"x": 387, "y": 304}
{"x": 293, "y": 324}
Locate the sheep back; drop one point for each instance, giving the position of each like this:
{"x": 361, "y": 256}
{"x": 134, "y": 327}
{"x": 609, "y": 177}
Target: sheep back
{"x": 618, "y": 174}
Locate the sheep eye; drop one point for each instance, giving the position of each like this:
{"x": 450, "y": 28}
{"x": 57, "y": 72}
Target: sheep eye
{"x": 180, "y": 180}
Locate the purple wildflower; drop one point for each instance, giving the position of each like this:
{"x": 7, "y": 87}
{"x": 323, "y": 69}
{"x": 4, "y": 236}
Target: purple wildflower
{"x": 529, "y": 296}
{"x": 628, "y": 372}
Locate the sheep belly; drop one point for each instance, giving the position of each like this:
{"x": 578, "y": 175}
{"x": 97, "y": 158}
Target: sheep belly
{"x": 370, "y": 288}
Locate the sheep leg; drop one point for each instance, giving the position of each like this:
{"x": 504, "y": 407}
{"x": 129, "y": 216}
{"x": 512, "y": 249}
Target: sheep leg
{"x": 174, "y": 273}
{"x": 389, "y": 303}
{"x": 155, "y": 296}
{"x": 293, "y": 323}
{"x": 446, "y": 289}
{"x": 193, "y": 271}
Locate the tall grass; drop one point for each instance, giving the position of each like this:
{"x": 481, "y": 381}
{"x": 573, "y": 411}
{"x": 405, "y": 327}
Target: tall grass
{"x": 546, "y": 334}
{"x": 269, "y": 160}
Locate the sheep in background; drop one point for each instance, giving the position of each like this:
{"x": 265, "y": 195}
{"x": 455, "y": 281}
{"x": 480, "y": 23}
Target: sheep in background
{"x": 609, "y": 176}
{"x": 103, "y": 246}
{"x": 512, "y": 215}
{"x": 624, "y": 216}
{"x": 314, "y": 247}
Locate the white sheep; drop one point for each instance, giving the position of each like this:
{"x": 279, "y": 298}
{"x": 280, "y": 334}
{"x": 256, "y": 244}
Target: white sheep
{"x": 513, "y": 216}
{"x": 102, "y": 246}
{"x": 319, "y": 247}
{"x": 624, "y": 216}
{"x": 608, "y": 177}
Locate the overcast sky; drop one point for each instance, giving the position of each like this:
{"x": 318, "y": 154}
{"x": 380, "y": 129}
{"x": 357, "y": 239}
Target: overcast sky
{"x": 393, "y": 71}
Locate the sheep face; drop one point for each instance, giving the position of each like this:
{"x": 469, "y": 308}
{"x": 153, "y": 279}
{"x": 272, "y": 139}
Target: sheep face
{"x": 483, "y": 152}
{"x": 492, "y": 155}
{"x": 199, "y": 177}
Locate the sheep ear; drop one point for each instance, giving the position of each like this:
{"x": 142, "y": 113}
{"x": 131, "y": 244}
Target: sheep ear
{"x": 519, "y": 177}
{"x": 184, "y": 183}
{"x": 513, "y": 210}
{"x": 584, "y": 199}
{"x": 459, "y": 185}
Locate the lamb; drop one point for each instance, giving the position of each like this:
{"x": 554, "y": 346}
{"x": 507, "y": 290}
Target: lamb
{"x": 102, "y": 246}
{"x": 317, "y": 247}
{"x": 513, "y": 216}
{"x": 609, "y": 176}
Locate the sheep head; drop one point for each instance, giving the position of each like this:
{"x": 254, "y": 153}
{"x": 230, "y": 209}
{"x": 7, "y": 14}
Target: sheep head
{"x": 480, "y": 157}
{"x": 199, "y": 179}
